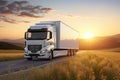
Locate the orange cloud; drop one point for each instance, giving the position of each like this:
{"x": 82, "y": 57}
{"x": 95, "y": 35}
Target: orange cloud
{"x": 11, "y": 20}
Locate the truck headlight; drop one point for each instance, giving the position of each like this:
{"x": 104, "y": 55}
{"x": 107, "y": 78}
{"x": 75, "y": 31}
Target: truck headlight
{"x": 26, "y": 51}
{"x": 44, "y": 51}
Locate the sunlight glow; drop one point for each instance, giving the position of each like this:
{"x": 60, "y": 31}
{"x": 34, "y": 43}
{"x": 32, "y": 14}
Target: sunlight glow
{"x": 88, "y": 35}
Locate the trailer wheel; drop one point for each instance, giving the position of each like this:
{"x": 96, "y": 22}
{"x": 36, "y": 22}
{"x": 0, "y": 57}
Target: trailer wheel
{"x": 74, "y": 52}
{"x": 69, "y": 53}
{"x": 51, "y": 55}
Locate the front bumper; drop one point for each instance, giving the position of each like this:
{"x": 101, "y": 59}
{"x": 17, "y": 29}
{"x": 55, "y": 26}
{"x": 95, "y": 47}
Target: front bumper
{"x": 41, "y": 56}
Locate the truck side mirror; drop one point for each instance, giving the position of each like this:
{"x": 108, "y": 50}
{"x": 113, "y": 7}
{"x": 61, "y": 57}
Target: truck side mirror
{"x": 49, "y": 35}
{"x": 25, "y": 36}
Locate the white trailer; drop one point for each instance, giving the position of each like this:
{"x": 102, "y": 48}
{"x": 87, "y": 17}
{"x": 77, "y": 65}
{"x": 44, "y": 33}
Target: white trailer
{"x": 45, "y": 39}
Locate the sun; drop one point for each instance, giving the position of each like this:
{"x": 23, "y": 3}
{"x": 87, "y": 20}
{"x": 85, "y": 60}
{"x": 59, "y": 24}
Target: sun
{"x": 88, "y": 35}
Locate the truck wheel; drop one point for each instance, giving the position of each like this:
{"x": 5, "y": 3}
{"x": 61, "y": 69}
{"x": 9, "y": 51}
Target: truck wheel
{"x": 29, "y": 58}
{"x": 51, "y": 55}
{"x": 71, "y": 52}
{"x": 74, "y": 52}
{"x": 68, "y": 52}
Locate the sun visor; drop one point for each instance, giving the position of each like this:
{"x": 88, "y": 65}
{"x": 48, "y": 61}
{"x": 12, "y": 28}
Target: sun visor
{"x": 38, "y": 30}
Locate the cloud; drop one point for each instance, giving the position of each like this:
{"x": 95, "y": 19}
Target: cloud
{"x": 46, "y": 10}
{"x": 2, "y": 26}
{"x": 22, "y": 8}
{"x": 10, "y": 20}
{"x": 3, "y": 2}
{"x": 6, "y": 19}
{"x": 84, "y": 17}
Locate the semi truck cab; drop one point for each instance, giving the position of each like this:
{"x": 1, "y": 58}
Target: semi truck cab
{"x": 39, "y": 42}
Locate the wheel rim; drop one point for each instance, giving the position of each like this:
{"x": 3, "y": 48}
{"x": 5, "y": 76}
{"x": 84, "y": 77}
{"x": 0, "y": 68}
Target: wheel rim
{"x": 50, "y": 57}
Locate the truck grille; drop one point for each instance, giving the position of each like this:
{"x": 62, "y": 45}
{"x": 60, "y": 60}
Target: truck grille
{"x": 34, "y": 48}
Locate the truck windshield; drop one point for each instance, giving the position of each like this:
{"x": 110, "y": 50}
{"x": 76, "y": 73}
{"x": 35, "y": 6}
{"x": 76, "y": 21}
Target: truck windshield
{"x": 36, "y": 35}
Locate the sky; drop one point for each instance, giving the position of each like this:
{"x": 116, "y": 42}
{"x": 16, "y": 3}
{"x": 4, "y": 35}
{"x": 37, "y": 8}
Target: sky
{"x": 101, "y": 17}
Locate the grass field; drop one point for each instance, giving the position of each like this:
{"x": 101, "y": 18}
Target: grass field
{"x": 11, "y": 51}
{"x": 86, "y": 65}
{"x": 7, "y": 55}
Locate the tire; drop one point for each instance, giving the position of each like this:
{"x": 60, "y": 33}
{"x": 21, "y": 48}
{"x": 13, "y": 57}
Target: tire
{"x": 68, "y": 52}
{"x": 29, "y": 59}
{"x": 71, "y": 52}
{"x": 51, "y": 55}
{"x": 74, "y": 52}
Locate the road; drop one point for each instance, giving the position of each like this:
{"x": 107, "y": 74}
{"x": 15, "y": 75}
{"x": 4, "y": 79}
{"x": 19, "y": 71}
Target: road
{"x": 24, "y": 64}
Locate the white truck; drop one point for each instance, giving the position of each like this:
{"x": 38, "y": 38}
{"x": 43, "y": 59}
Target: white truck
{"x": 49, "y": 39}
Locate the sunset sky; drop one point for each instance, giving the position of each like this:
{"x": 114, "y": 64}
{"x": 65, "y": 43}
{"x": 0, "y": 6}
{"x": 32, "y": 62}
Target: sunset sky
{"x": 100, "y": 17}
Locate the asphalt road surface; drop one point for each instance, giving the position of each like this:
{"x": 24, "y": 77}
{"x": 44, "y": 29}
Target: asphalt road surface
{"x": 24, "y": 64}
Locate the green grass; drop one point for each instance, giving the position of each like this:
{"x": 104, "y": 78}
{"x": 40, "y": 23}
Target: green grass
{"x": 87, "y": 65}
{"x": 7, "y": 55}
